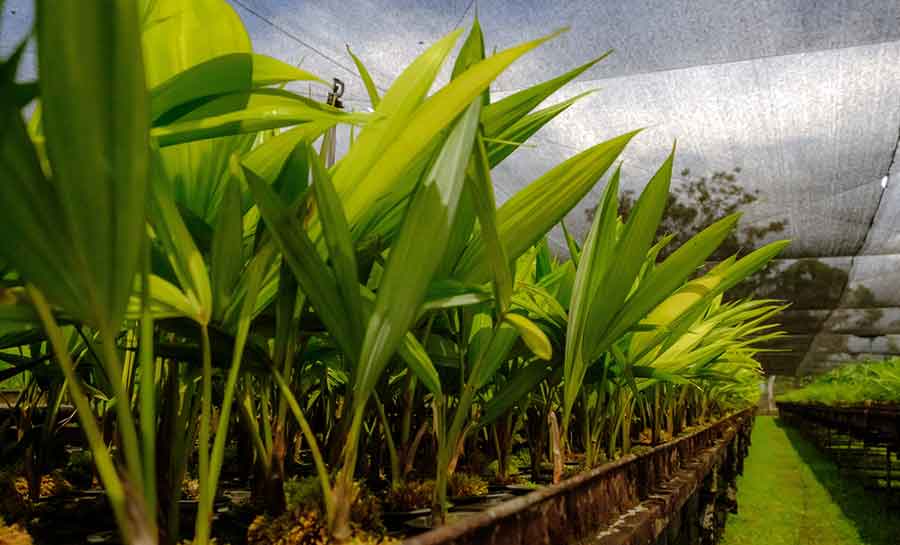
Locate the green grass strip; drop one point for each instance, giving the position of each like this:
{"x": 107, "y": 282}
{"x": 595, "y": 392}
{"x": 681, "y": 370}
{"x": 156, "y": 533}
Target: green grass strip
{"x": 791, "y": 494}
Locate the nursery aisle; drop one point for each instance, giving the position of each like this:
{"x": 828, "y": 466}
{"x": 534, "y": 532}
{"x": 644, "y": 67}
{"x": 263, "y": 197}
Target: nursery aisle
{"x": 791, "y": 494}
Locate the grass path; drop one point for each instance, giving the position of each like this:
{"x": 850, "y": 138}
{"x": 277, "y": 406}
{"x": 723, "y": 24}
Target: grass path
{"x": 790, "y": 494}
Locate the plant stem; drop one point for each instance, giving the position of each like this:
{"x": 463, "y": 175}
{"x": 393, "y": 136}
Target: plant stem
{"x": 105, "y": 467}
{"x": 252, "y": 427}
{"x": 318, "y": 460}
{"x": 237, "y": 355}
{"x": 124, "y": 418}
{"x": 439, "y": 500}
{"x": 389, "y": 440}
{"x": 148, "y": 393}
{"x": 202, "y": 524}
{"x": 339, "y": 526}
{"x": 448, "y": 440}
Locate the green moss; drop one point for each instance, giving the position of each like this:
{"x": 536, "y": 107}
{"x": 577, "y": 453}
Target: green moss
{"x": 466, "y": 484}
{"x": 13, "y": 534}
{"x": 302, "y": 493}
{"x": 305, "y": 496}
{"x": 79, "y": 468}
{"x": 409, "y": 496}
{"x": 303, "y": 527}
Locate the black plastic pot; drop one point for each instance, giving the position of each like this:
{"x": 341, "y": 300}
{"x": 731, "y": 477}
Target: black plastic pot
{"x": 396, "y": 520}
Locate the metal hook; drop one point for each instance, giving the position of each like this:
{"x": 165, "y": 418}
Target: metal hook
{"x": 337, "y": 91}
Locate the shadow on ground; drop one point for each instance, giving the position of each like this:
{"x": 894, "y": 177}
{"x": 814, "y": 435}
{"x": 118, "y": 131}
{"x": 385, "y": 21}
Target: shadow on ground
{"x": 875, "y": 513}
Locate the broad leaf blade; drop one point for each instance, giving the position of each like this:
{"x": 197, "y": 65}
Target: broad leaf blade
{"x": 502, "y": 114}
{"x": 99, "y": 148}
{"x": 522, "y": 382}
{"x": 530, "y": 213}
{"x": 625, "y": 260}
{"x": 177, "y": 36}
{"x": 481, "y": 191}
{"x": 593, "y": 264}
{"x": 225, "y": 74}
{"x": 472, "y": 52}
{"x": 249, "y": 112}
{"x": 416, "y": 358}
{"x": 31, "y": 218}
{"x": 531, "y": 334}
{"x": 367, "y": 79}
{"x": 171, "y": 232}
{"x": 668, "y": 276}
{"x": 412, "y": 264}
{"x": 525, "y": 128}
{"x": 315, "y": 278}
{"x": 395, "y": 108}
{"x": 341, "y": 251}
{"x": 368, "y": 181}
{"x": 227, "y": 244}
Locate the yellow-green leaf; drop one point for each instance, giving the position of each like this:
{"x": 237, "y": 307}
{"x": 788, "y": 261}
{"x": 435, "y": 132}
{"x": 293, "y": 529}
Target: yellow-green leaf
{"x": 367, "y": 79}
{"x": 532, "y": 335}
{"x": 96, "y": 118}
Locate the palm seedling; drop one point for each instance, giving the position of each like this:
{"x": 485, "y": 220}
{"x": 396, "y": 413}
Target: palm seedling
{"x": 853, "y": 383}
{"x": 219, "y": 264}
{"x": 79, "y": 181}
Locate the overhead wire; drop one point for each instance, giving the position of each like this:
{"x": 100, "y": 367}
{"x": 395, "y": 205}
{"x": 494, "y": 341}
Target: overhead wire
{"x": 301, "y": 41}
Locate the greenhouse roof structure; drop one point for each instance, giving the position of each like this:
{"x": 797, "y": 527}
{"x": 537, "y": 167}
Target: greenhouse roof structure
{"x": 801, "y": 97}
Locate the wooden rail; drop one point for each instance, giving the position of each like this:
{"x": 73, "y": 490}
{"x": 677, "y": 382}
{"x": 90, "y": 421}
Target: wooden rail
{"x": 863, "y": 440}
{"x": 676, "y": 492}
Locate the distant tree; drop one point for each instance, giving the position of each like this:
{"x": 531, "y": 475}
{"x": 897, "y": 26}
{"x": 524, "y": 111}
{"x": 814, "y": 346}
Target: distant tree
{"x": 699, "y": 202}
